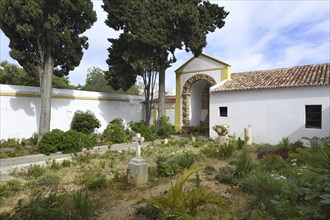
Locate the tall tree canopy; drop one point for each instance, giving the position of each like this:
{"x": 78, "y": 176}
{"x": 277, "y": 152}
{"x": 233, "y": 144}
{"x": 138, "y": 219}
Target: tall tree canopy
{"x": 46, "y": 37}
{"x": 164, "y": 26}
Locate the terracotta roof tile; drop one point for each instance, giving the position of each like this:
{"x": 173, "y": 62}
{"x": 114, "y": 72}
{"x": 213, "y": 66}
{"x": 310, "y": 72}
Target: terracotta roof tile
{"x": 298, "y": 76}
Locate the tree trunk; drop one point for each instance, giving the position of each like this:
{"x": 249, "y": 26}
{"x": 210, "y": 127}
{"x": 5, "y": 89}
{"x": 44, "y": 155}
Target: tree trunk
{"x": 45, "y": 77}
{"x": 161, "y": 95}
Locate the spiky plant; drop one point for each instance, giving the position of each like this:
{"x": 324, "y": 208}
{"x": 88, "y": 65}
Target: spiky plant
{"x": 179, "y": 203}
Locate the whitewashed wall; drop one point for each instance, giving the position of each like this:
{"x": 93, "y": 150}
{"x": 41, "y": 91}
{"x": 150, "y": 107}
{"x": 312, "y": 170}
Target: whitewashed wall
{"x": 169, "y": 112}
{"x": 20, "y": 109}
{"x": 272, "y": 113}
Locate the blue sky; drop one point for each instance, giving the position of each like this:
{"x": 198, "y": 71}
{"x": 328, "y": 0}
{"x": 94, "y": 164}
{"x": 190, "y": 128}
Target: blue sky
{"x": 257, "y": 35}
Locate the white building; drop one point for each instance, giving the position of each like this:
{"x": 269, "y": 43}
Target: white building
{"x": 287, "y": 102}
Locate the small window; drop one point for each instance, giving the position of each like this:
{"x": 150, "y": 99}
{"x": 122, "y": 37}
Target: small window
{"x": 223, "y": 111}
{"x": 313, "y": 116}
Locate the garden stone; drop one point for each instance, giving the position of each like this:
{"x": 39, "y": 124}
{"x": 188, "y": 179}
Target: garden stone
{"x": 193, "y": 139}
{"x": 165, "y": 141}
{"x": 137, "y": 167}
{"x": 248, "y": 136}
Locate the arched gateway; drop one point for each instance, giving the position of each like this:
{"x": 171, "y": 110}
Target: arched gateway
{"x": 193, "y": 81}
{"x": 201, "y": 83}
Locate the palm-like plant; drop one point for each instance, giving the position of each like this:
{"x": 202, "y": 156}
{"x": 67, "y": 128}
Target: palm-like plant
{"x": 183, "y": 204}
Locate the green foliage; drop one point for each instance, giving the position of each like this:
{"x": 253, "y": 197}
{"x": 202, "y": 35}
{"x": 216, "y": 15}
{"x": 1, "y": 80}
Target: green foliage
{"x": 82, "y": 204}
{"x": 94, "y": 179}
{"x": 147, "y": 211}
{"x": 74, "y": 141}
{"x": 53, "y": 164}
{"x": 85, "y": 122}
{"x": 115, "y": 132}
{"x": 66, "y": 142}
{"x": 48, "y": 179}
{"x": 12, "y": 74}
{"x": 214, "y": 150}
{"x": 240, "y": 143}
{"x": 166, "y": 129}
{"x": 209, "y": 170}
{"x": 244, "y": 164}
{"x": 263, "y": 186}
{"x": 36, "y": 171}
{"x": 142, "y": 128}
{"x": 179, "y": 203}
{"x": 51, "y": 142}
{"x": 272, "y": 163}
{"x": 226, "y": 175}
{"x": 186, "y": 160}
{"x": 318, "y": 142}
{"x": 66, "y": 163}
{"x": 166, "y": 166}
{"x": 10, "y": 188}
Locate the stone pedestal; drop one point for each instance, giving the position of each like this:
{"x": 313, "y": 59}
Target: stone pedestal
{"x": 223, "y": 140}
{"x": 138, "y": 171}
{"x": 248, "y": 136}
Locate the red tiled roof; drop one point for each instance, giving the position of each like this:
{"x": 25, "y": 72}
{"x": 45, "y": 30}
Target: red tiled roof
{"x": 168, "y": 99}
{"x": 298, "y": 76}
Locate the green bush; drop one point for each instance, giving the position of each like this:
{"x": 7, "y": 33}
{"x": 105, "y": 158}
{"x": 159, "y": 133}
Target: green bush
{"x": 94, "y": 179}
{"x": 244, "y": 164}
{"x": 74, "y": 141}
{"x": 209, "y": 170}
{"x": 240, "y": 143}
{"x": 264, "y": 186}
{"x": 49, "y": 179}
{"x": 215, "y": 150}
{"x": 10, "y": 188}
{"x": 186, "y": 160}
{"x": 84, "y": 122}
{"x": 225, "y": 175}
{"x": 166, "y": 166}
{"x": 272, "y": 163}
{"x": 66, "y": 142}
{"x": 166, "y": 129}
{"x": 36, "y": 171}
{"x": 142, "y": 128}
{"x": 82, "y": 204}
{"x": 115, "y": 132}
{"x": 51, "y": 142}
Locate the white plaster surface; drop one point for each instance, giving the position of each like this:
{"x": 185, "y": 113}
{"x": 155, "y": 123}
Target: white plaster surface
{"x": 271, "y": 113}
{"x": 19, "y": 116}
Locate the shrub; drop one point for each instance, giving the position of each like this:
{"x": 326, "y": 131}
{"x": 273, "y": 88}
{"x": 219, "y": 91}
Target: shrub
{"x": 84, "y": 122}
{"x": 244, "y": 164}
{"x": 142, "y": 128}
{"x": 74, "y": 141}
{"x": 186, "y": 160}
{"x": 36, "y": 171}
{"x": 240, "y": 143}
{"x": 66, "y": 163}
{"x": 82, "y": 204}
{"x": 318, "y": 142}
{"x": 51, "y": 142}
{"x": 263, "y": 186}
{"x": 194, "y": 203}
{"x": 166, "y": 166}
{"x": 10, "y": 188}
{"x": 115, "y": 132}
{"x": 147, "y": 211}
{"x": 209, "y": 170}
{"x": 225, "y": 175}
{"x": 215, "y": 150}
{"x": 272, "y": 163}
{"x": 94, "y": 179}
{"x": 280, "y": 152}
{"x": 49, "y": 179}
{"x": 166, "y": 129}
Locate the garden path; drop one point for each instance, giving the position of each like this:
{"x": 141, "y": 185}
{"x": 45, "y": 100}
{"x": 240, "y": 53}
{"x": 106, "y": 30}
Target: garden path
{"x": 7, "y": 165}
